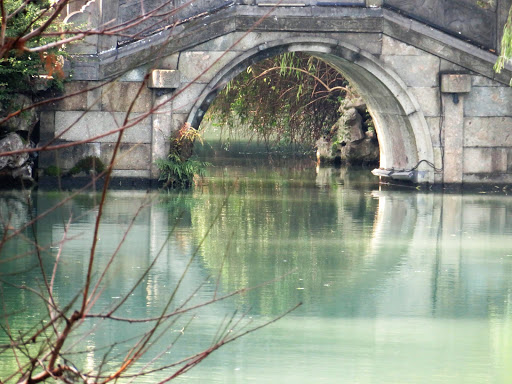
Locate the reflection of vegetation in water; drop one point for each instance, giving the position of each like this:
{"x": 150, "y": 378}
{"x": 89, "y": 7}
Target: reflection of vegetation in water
{"x": 282, "y": 224}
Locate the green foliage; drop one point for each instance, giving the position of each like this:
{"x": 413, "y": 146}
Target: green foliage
{"x": 88, "y": 164}
{"x": 19, "y": 68}
{"x": 177, "y": 172}
{"x": 486, "y": 4}
{"x": 180, "y": 167}
{"x": 290, "y": 99}
{"x": 53, "y": 170}
{"x": 506, "y": 45}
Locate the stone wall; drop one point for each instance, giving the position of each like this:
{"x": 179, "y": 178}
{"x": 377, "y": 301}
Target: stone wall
{"x": 92, "y": 116}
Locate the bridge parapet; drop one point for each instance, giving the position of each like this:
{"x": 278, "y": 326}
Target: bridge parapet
{"x": 479, "y": 22}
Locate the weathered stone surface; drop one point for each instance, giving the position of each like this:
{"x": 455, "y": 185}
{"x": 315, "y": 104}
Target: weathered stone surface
{"x": 488, "y": 132}
{"x": 94, "y": 98}
{"x": 202, "y": 66}
{"x": 435, "y": 130}
{"x": 118, "y": 96}
{"x": 87, "y": 126}
{"x": 136, "y": 74}
{"x": 25, "y": 121}
{"x": 485, "y": 160}
{"x": 489, "y": 101}
{"x": 130, "y": 156}
{"x": 164, "y": 79}
{"x": 429, "y": 100}
{"x": 456, "y": 16}
{"x": 446, "y": 47}
{"x": 482, "y": 81}
{"x": 369, "y": 42}
{"x": 449, "y": 67}
{"x": 358, "y": 104}
{"x": 364, "y": 151}
{"x": 323, "y": 149}
{"x": 488, "y": 178}
{"x": 13, "y": 142}
{"x": 183, "y": 101}
{"x": 85, "y": 71}
{"x": 46, "y": 126}
{"x": 352, "y": 127}
{"x": 416, "y": 71}
{"x": 453, "y": 129}
{"x": 75, "y": 100}
{"x": 455, "y": 83}
{"x": 391, "y": 46}
{"x": 161, "y": 132}
{"x": 66, "y": 158}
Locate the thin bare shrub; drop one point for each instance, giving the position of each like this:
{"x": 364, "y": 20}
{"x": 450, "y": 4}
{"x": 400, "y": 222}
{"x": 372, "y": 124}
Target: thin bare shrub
{"x": 47, "y": 349}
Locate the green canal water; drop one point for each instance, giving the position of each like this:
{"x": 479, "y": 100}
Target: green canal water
{"x": 398, "y": 286}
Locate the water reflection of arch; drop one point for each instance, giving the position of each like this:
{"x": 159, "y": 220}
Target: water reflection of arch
{"x": 398, "y": 222}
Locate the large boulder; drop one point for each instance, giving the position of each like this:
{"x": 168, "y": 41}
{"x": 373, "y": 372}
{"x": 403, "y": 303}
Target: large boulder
{"x": 352, "y": 127}
{"x": 17, "y": 165}
{"x": 361, "y": 152}
{"x": 354, "y": 136}
{"x": 358, "y": 103}
{"x": 323, "y": 149}
{"x": 25, "y": 121}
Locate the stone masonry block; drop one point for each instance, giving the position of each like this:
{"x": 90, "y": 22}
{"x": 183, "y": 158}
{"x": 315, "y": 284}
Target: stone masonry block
{"x": 201, "y": 66}
{"x": 76, "y": 102}
{"x": 485, "y": 160}
{"x": 46, "y": 126}
{"x": 137, "y": 74}
{"x": 489, "y": 101}
{"x": 164, "y": 79}
{"x": 184, "y": 101}
{"x": 169, "y": 62}
{"x": 118, "y": 96}
{"x": 177, "y": 121}
{"x": 66, "y": 158}
{"x": 415, "y": 71}
{"x": 429, "y": 100}
{"x": 434, "y": 126}
{"x": 86, "y": 126}
{"x": 368, "y": 42}
{"x": 448, "y": 66}
{"x": 130, "y": 156}
{"x": 455, "y": 83}
{"x": 488, "y": 132}
{"x": 392, "y": 46}
{"x": 94, "y": 99}
{"x": 482, "y": 81}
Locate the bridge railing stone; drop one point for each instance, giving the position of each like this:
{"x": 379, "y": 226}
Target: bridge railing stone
{"x": 477, "y": 21}
{"x": 472, "y": 20}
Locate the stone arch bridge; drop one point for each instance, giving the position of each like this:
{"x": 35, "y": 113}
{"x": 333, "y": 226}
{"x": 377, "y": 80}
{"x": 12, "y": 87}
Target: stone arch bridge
{"x": 424, "y": 67}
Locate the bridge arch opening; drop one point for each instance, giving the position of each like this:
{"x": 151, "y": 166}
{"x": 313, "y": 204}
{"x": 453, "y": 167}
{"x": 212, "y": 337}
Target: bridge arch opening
{"x": 403, "y": 133}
